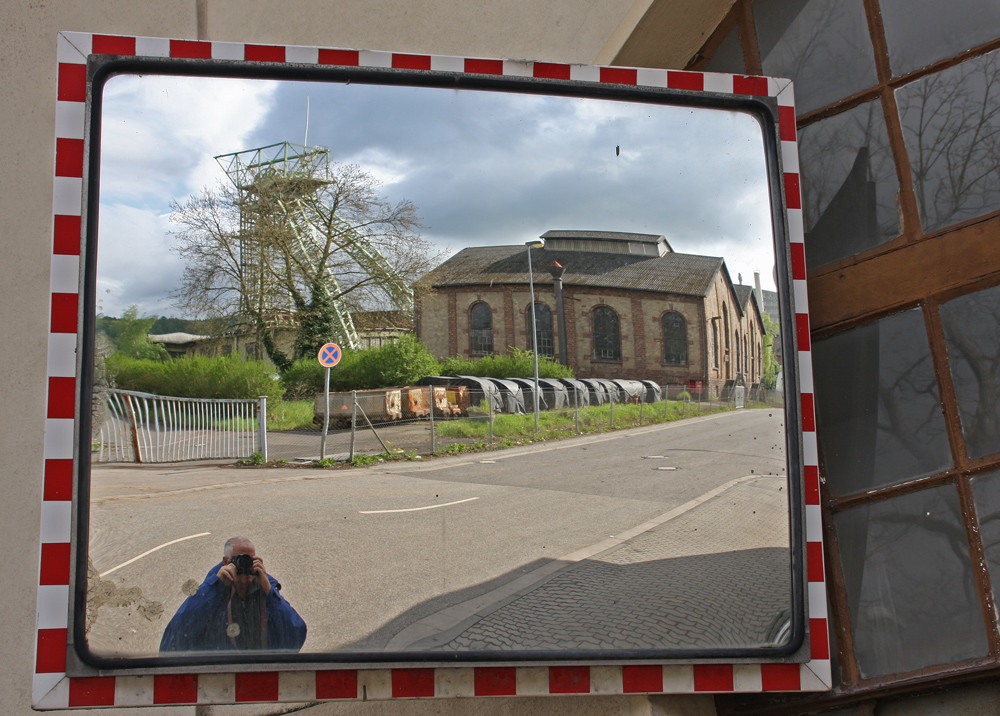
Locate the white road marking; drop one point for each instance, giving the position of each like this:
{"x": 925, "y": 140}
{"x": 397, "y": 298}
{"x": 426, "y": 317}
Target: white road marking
{"x": 418, "y": 509}
{"x": 150, "y": 551}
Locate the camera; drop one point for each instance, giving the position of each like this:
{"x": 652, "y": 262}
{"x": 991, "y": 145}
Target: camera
{"x": 244, "y": 563}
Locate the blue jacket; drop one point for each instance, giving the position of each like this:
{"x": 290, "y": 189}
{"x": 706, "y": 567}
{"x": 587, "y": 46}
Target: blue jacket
{"x": 200, "y": 623}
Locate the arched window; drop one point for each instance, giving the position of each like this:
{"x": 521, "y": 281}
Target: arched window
{"x": 725, "y": 334}
{"x": 543, "y": 325}
{"x": 480, "y": 329}
{"x": 725, "y": 325}
{"x": 715, "y": 344}
{"x": 675, "y": 342}
{"x": 737, "y": 362}
{"x": 607, "y": 337}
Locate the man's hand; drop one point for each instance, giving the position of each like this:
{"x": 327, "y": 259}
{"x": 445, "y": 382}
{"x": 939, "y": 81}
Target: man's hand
{"x": 261, "y": 573}
{"x": 227, "y": 573}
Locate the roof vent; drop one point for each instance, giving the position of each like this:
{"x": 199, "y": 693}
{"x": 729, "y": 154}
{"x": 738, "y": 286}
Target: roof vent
{"x": 608, "y": 242}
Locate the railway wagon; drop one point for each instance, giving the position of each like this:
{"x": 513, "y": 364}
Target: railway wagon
{"x": 448, "y": 401}
{"x": 380, "y": 405}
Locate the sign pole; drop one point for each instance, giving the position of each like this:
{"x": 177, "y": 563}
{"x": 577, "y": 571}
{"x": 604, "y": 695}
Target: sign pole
{"x": 326, "y": 414}
{"x": 329, "y": 356}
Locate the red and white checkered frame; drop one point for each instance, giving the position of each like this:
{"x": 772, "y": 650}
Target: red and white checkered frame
{"x": 53, "y": 689}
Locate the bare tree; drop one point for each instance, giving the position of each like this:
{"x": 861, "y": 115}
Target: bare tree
{"x": 951, "y": 121}
{"x": 309, "y": 248}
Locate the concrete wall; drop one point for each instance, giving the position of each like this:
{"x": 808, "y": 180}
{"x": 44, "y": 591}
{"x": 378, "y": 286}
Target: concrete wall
{"x": 560, "y": 31}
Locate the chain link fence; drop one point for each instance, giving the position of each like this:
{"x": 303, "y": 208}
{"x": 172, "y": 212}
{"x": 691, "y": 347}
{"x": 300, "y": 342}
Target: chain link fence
{"x": 469, "y": 413}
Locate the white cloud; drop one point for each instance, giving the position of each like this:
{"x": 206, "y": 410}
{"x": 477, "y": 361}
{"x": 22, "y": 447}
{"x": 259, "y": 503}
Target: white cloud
{"x": 482, "y": 168}
{"x": 160, "y": 134}
{"x": 135, "y": 264}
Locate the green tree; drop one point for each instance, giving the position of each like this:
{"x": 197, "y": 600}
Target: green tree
{"x": 770, "y": 361}
{"x": 130, "y": 335}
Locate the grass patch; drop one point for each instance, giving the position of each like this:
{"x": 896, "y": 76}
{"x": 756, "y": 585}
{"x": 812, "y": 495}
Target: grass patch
{"x": 291, "y": 415}
{"x": 281, "y": 415}
{"x": 554, "y": 424}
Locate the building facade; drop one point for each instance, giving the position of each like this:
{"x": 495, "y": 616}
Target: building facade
{"x": 631, "y": 306}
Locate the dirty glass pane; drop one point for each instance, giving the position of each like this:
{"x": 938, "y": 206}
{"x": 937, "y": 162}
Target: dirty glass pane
{"x": 957, "y": 26}
{"x": 543, "y": 332}
{"x": 909, "y": 583}
{"x": 951, "y": 125}
{"x": 877, "y": 406}
{"x": 849, "y": 184}
{"x": 970, "y": 330}
{"x": 986, "y": 494}
{"x": 728, "y": 57}
{"x": 803, "y": 39}
{"x": 481, "y": 331}
{"x": 607, "y": 339}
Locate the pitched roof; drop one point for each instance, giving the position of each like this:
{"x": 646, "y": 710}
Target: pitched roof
{"x": 743, "y": 295}
{"x": 685, "y": 274}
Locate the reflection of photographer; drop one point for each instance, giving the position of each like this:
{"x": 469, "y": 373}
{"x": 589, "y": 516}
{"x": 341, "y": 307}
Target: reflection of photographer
{"x": 238, "y": 606}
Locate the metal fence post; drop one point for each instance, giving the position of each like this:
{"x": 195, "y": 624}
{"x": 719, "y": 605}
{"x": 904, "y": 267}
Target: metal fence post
{"x": 354, "y": 423}
{"x": 134, "y": 424}
{"x": 262, "y": 426}
{"x": 489, "y": 401}
{"x": 611, "y": 403}
{"x": 576, "y": 408}
{"x": 433, "y": 397}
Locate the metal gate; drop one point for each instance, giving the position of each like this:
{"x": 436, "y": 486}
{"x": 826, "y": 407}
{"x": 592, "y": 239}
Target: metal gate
{"x": 142, "y": 427}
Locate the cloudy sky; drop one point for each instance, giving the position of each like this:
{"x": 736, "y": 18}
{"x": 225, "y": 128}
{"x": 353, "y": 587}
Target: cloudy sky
{"x": 482, "y": 168}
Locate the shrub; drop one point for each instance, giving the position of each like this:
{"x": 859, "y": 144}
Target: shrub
{"x": 517, "y": 364}
{"x": 194, "y": 377}
{"x": 401, "y": 362}
{"x": 303, "y": 378}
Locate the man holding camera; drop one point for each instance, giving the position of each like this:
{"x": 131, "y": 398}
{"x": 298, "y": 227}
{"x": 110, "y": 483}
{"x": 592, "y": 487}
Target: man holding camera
{"x": 238, "y": 607}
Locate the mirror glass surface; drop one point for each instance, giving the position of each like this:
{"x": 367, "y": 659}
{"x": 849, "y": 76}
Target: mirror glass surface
{"x": 666, "y": 539}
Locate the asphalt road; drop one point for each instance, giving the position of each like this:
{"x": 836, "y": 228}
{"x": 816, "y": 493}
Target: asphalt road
{"x": 366, "y": 555}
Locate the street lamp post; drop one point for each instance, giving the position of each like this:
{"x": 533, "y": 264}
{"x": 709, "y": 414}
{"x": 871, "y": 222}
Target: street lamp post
{"x": 536, "y": 244}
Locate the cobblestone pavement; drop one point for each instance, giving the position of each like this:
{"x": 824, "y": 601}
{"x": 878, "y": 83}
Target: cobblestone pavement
{"x": 713, "y": 573}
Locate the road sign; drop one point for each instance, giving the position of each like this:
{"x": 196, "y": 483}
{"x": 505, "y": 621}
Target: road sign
{"x": 329, "y": 355}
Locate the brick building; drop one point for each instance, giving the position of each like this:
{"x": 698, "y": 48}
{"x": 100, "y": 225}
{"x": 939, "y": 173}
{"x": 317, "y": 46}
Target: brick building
{"x": 633, "y": 308}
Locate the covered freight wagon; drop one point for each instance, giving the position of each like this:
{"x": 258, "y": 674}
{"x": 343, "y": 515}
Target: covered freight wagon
{"x": 380, "y": 405}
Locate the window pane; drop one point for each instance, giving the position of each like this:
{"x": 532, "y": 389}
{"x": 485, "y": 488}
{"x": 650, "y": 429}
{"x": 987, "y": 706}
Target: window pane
{"x": 543, "y": 324}
{"x": 849, "y": 184}
{"x": 909, "y": 583}
{"x": 879, "y": 415}
{"x": 481, "y": 330}
{"x": 970, "y": 331}
{"x": 803, "y": 39}
{"x": 957, "y": 26}
{"x": 951, "y": 125}
{"x": 607, "y": 340}
{"x": 674, "y": 339}
{"x": 728, "y": 57}
{"x": 986, "y": 494}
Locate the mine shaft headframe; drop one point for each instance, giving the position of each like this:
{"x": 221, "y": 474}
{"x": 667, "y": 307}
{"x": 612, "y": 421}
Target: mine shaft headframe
{"x": 285, "y": 159}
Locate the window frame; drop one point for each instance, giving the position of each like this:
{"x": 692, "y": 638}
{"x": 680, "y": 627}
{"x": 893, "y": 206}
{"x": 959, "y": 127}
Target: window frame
{"x": 614, "y": 339}
{"x": 63, "y": 679}
{"x": 545, "y": 336}
{"x": 476, "y": 334}
{"x": 680, "y": 339}
{"x": 927, "y": 269}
